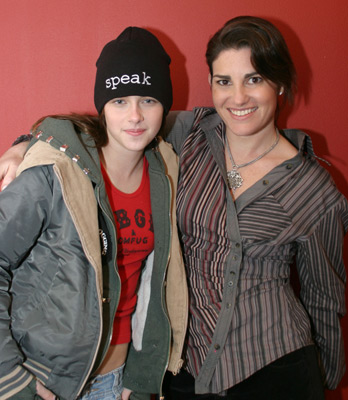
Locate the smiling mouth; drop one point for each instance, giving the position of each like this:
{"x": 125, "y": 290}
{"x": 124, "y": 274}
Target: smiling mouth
{"x": 242, "y": 113}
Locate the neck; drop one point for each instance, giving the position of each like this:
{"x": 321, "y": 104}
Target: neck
{"x": 245, "y": 148}
{"x": 124, "y": 169}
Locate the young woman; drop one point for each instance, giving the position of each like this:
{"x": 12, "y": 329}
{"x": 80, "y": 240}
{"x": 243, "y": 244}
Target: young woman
{"x": 252, "y": 200}
{"x": 90, "y": 212}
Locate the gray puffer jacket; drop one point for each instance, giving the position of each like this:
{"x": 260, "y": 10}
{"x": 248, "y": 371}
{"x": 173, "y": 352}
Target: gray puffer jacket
{"x": 58, "y": 295}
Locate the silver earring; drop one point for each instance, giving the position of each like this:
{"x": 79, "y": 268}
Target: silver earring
{"x": 281, "y": 91}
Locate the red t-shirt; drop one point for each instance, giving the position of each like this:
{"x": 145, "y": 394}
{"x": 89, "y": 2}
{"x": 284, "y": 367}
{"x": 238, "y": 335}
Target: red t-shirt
{"x": 135, "y": 241}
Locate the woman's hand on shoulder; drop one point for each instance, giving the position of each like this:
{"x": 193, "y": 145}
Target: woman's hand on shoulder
{"x": 9, "y": 163}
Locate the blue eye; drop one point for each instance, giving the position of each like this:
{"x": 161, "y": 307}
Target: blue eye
{"x": 150, "y": 100}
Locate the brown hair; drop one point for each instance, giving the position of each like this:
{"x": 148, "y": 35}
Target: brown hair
{"x": 93, "y": 125}
{"x": 269, "y": 53}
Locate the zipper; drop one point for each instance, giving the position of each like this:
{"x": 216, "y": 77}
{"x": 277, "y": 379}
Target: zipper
{"x": 114, "y": 263}
{"x": 100, "y": 299}
{"x": 164, "y": 307}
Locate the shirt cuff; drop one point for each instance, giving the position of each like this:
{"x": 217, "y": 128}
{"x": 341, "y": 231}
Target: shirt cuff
{"x": 23, "y": 138}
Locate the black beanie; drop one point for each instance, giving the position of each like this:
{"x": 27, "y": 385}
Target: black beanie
{"x": 134, "y": 64}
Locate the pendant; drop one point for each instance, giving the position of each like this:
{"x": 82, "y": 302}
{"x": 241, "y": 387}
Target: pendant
{"x": 234, "y": 179}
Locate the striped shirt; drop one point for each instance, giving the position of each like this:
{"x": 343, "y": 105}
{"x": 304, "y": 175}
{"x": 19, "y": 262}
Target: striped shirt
{"x": 244, "y": 313}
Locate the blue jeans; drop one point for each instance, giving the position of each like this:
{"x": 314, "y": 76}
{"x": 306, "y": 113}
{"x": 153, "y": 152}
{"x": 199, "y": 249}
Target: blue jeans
{"x": 105, "y": 387}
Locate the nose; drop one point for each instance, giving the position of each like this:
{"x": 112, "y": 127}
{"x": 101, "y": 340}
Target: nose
{"x": 240, "y": 95}
{"x": 135, "y": 113}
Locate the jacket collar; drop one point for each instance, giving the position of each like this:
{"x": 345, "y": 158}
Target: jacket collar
{"x": 80, "y": 147}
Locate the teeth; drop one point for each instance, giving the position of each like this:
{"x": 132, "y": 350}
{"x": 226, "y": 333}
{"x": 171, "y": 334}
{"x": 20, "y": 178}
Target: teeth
{"x": 241, "y": 113}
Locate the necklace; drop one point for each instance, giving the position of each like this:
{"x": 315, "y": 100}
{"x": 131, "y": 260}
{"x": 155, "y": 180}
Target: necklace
{"x": 234, "y": 178}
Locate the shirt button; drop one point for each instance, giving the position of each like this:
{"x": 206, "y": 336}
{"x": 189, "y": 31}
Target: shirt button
{"x": 217, "y": 347}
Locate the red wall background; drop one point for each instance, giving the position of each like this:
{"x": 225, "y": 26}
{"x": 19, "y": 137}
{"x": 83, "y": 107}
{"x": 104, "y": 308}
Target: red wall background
{"x": 48, "y": 51}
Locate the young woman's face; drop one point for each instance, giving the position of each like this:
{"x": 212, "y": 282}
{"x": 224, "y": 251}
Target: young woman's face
{"x": 132, "y": 122}
{"x": 245, "y": 101}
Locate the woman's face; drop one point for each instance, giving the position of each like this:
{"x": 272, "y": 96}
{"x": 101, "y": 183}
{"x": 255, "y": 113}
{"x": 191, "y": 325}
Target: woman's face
{"x": 132, "y": 122}
{"x": 245, "y": 101}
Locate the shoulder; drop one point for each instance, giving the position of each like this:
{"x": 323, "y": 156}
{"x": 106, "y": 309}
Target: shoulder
{"x": 41, "y": 153}
{"x": 180, "y": 124}
{"x": 177, "y": 126}
{"x": 310, "y": 193}
{"x": 166, "y": 149}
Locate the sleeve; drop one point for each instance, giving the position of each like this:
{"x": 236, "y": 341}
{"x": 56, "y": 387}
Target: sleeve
{"x": 323, "y": 278}
{"x": 28, "y": 393}
{"x": 24, "y": 208}
{"x": 140, "y": 396}
{"x": 23, "y": 138}
{"x": 177, "y": 127}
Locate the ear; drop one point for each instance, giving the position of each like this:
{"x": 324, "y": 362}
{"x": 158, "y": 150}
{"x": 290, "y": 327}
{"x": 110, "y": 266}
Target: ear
{"x": 209, "y": 79}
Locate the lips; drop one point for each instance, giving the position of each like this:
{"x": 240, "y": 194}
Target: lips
{"x": 135, "y": 132}
{"x": 242, "y": 113}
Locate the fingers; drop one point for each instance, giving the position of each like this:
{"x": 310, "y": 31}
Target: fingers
{"x": 125, "y": 394}
{"x": 43, "y": 392}
{"x": 9, "y": 163}
{"x": 8, "y": 176}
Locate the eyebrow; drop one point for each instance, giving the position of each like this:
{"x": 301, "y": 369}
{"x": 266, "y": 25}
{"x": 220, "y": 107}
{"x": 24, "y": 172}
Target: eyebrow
{"x": 222, "y": 76}
{"x": 249, "y": 75}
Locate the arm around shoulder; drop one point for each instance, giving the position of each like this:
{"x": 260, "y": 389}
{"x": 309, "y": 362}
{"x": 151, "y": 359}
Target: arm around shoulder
{"x": 9, "y": 163}
{"x": 177, "y": 127}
